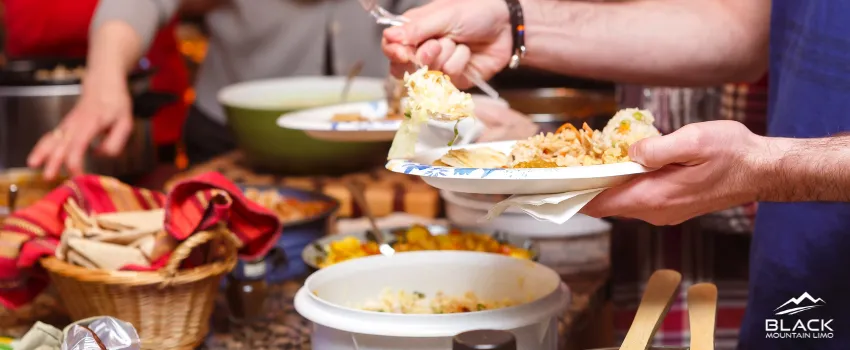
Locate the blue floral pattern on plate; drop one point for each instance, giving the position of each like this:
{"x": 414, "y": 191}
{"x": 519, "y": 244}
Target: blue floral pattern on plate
{"x": 411, "y": 168}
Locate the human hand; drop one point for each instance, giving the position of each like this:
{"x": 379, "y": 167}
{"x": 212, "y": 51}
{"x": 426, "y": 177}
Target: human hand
{"x": 452, "y": 36}
{"x": 704, "y": 167}
{"x": 502, "y": 123}
{"x": 104, "y": 107}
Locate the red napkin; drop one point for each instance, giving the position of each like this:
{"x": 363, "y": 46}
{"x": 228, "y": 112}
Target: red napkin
{"x": 195, "y": 204}
{"x": 188, "y": 201}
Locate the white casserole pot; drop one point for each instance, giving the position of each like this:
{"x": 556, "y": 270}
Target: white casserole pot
{"x": 330, "y": 297}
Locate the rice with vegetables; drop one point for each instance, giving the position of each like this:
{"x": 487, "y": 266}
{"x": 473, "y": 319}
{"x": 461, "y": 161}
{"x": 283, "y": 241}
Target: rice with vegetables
{"x": 569, "y": 146}
{"x": 402, "y": 302}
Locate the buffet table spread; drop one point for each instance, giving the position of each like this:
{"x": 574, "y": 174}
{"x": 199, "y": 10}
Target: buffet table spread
{"x": 387, "y": 193}
{"x": 283, "y": 328}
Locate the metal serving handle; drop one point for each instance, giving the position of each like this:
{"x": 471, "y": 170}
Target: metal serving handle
{"x": 11, "y": 201}
{"x": 13, "y": 198}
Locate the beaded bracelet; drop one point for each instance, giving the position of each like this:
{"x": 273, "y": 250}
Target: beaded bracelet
{"x": 518, "y": 31}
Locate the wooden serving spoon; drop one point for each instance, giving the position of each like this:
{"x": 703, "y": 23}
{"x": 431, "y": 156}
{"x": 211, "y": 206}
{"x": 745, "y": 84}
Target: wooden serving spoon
{"x": 702, "y": 314}
{"x": 657, "y": 298}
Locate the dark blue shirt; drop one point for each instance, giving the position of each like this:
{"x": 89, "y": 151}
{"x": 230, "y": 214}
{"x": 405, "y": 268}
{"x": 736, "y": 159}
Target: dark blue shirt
{"x": 804, "y": 247}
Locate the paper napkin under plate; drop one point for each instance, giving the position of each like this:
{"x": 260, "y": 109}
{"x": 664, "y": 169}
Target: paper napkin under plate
{"x": 557, "y": 207}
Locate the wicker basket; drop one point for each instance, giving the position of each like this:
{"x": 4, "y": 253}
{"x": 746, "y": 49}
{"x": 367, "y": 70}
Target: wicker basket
{"x": 170, "y": 308}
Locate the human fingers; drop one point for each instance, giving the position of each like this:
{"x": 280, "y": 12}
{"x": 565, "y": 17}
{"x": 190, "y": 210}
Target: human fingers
{"x": 646, "y": 192}
{"x": 433, "y": 20}
{"x": 398, "y": 67}
{"x": 396, "y": 52}
{"x": 42, "y": 150}
{"x": 681, "y": 147}
{"x": 430, "y": 53}
{"x": 114, "y": 142}
{"x": 606, "y": 204}
{"x": 56, "y": 158}
{"x": 435, "y": 52}
{"x": 456, "y": 63}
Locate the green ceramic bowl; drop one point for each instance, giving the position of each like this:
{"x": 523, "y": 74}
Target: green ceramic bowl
{"x": 253, "y": 108}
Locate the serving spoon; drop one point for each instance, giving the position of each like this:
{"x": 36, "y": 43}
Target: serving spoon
{"x": 375, "y": 234}
{"x": 657, "y": 298}
{"x": 384, "y": 17}
{"x": 702, "y": 314}
{"x": 349, "y": 79}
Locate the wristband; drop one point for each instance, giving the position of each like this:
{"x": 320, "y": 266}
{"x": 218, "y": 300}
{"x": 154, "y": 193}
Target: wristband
{"x": 517, "y": 22}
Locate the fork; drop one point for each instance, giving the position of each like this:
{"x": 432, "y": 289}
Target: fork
{"x": 381, "y": 15}
{"x": 384, "y": 17}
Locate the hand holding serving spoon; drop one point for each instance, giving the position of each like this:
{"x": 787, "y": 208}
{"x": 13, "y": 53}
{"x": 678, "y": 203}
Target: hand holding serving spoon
{"x": 384, "y": 17}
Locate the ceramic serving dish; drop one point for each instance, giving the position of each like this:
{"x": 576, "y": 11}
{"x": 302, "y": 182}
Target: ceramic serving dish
{"x": 253, "y": 108}
{"x": 313, "y": 252}
{"x": 296, "y": 235}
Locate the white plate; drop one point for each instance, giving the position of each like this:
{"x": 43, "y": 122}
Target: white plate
{"x": 317, "y": 122}
{"x": 512, "y": 181}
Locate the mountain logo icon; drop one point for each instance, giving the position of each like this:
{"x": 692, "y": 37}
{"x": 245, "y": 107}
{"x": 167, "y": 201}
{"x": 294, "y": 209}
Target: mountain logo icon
{"x": 800, "y": 304}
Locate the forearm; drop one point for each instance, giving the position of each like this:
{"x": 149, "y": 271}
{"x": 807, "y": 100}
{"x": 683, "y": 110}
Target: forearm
{"x": 120, "y": 33}
{"x": 795, "y": 170}
{"x": 114, "y": 50}
{"x": 657, "y": 42}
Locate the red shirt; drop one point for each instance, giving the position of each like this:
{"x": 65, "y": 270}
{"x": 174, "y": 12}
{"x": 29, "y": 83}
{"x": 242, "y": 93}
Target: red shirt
{"x": 60, "y": 28}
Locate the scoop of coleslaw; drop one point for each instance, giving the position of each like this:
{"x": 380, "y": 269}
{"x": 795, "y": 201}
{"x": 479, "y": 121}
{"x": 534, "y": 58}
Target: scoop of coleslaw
{"x": 430, "y": 95}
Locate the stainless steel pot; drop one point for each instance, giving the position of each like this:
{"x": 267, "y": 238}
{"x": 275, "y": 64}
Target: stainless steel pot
{"x": 28, "y": 110}
{"x": 552, "y": 107}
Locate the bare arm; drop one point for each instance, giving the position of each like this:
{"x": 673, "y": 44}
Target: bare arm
{"x": 659, "y": 42}
{"x": 805, "y": 170}
{"x": 121, "y": 32}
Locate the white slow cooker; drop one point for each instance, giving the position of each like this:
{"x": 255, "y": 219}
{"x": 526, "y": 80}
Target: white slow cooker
{"x": 329, "y": 298}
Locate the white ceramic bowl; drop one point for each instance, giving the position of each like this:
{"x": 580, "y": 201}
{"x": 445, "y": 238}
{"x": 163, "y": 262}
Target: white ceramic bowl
{"x": 328, "y": 295}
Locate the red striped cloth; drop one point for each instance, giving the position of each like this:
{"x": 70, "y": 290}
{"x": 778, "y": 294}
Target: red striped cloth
{"x": 193, "y": 205}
